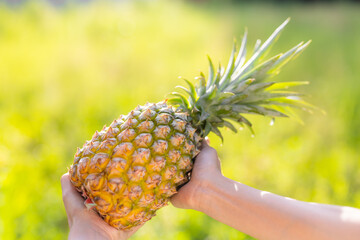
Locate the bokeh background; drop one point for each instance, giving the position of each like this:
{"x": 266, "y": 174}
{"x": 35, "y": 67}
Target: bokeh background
{"x": 68, "y": 68}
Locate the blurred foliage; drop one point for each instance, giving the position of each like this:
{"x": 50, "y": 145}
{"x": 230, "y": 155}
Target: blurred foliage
{"x": 65, "y": 72}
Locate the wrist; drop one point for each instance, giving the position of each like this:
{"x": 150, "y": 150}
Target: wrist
{"x": 205, "y": 191}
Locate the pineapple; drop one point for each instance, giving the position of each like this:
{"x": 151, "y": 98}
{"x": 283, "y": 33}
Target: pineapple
{"x": 129, "y": 170}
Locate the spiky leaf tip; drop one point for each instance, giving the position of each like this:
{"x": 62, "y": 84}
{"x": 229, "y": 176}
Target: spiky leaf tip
{"x": 242, "y": 88}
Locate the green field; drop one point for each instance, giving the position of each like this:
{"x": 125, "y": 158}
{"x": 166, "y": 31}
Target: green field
{"x": 65, "y": 72}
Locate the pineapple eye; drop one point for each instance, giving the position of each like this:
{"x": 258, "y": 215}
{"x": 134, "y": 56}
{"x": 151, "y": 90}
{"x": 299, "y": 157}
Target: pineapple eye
{"x": 162, "y": 132}
{"x": 157, "y": 164}
{"x": 163, "y": 118}
{"x": 143, "y": 140}
{"x": 177, "y": 140}
{"x": 127, "y": 135}
{"x": 145, "y": 127}
{"x": 178, "y": 125}
{"x": 174, "y": 155}
{"x": 123, "y": 150}
{"x": 147, "y": 114}
{"x": 136, "y": 173}
{"x": 116, "y": 184}
{"x": 160, "y": 147}
{"x": 170, "y": 172}
{"x": 135, "y": 192}
{"x": 94, "y": 182}
{"x": 141, "y": 156}
{"x": 129, "y": 123}
{"x": 116, "y": 167}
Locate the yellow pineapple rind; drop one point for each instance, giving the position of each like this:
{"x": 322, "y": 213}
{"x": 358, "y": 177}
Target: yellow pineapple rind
{"x": 130, "y": 169}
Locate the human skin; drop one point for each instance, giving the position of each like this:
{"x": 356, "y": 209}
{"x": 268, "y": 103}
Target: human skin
{"x": 260, "y": 214}
{"x": 85, "y": 224}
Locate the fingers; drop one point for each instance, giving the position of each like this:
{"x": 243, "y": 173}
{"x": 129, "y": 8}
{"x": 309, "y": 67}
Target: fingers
{"x": 208, "y": 155}
{"x": 175, "y": 201}
{"x": 72, "y": 199}
{"x": 205, "y": 143}
{"x": 207, "y": 150}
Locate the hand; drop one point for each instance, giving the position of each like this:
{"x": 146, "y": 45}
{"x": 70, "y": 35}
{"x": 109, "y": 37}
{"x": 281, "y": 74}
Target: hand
{"x": 206, "y": 168}
{"x": 86, "y": 224}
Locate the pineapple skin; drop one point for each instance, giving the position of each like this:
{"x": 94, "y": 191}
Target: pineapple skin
{"x": 130, "y": 169}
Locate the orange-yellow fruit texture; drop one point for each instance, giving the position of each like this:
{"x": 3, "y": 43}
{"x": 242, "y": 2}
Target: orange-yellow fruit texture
{"x": 131, "y": 168}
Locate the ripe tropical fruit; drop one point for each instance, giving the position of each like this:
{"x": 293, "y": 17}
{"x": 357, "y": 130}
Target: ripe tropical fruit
{"x": 130, "y": 169}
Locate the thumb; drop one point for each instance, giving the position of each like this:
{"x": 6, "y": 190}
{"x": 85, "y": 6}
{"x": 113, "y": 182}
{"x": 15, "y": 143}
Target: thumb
{"x": 208, "y": 157}
{"x": 205, "y": 143}
{"x": 72, "y": 198}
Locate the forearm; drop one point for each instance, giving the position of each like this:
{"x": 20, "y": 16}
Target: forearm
{"x": 268, "y": 216}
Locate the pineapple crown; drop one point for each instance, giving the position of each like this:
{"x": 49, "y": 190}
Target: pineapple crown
{"x": 226, "y": 95}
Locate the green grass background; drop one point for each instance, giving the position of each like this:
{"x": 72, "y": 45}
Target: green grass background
{"x": 65, "y": 72}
